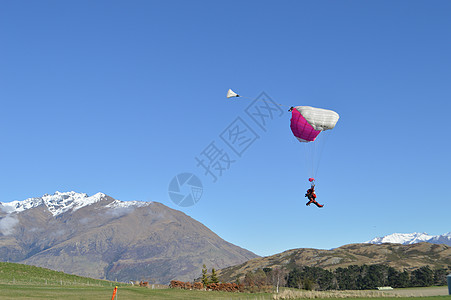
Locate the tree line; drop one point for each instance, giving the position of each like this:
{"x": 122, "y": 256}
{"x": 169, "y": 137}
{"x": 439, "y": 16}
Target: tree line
{"x": 353, "y": 277}
{"x": 363, "y": 277}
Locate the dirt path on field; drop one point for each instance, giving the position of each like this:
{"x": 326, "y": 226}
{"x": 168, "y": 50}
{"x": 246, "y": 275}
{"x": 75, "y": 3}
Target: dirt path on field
{"x": 421, "y": 292}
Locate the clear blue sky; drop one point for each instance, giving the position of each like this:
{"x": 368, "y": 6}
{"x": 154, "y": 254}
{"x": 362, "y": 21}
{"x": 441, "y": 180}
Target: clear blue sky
{"x": 120, "y": 96}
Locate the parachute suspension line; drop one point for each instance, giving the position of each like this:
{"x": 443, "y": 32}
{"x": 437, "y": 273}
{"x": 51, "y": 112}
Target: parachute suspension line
{"x": 309, "y": 157}
{"x": 283, "y": 105}
{"x": 320, "y": 145}
{"x": 232, "y": 94}
{"x": 312, "y": 159}
{"x": 313, "y": 153}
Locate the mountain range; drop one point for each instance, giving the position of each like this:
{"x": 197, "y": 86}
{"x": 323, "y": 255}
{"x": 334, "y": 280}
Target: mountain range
{"x": 101, "y": 237}
{"x": 403, "y": 251}
{"x": 400, "y": 257}
{"x": 412, "y": 238}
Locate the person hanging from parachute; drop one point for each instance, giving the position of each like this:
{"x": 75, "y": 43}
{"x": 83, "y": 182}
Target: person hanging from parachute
{"x": 311, "y": 196}
{"x": 306, "y": 124}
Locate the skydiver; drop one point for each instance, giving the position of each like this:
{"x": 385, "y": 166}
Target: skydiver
{"x": 312, "y": 196}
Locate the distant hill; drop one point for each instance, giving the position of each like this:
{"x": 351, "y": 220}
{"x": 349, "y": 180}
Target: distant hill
{"x": 412, "y": 238}
{"x": 401, "y": 257}
{"x": 101, "y": 237}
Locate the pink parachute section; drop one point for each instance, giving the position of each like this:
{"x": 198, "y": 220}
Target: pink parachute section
{"x": 301, "y": 128}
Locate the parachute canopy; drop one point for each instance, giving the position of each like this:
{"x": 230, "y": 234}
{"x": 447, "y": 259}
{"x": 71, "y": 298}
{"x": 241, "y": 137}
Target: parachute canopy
{"x": 231, "y": 94}
{"x": 307, "y": 122}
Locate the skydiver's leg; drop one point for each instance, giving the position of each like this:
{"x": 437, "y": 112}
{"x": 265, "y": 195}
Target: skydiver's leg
{"x": 317, "y": 204}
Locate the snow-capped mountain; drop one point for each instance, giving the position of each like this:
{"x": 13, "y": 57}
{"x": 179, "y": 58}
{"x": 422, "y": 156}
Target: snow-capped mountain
{"x": 101, "y": 237}
{"x": 412, "y": 238}
{"x": 59, "y": 203}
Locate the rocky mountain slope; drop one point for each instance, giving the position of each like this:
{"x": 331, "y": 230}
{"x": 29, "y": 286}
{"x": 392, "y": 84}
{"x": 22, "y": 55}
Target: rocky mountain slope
{"x": 401, "y": 257}
{"x": 100, "y": 237}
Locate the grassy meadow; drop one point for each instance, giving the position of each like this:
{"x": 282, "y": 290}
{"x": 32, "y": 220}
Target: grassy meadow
{"x": 20, "y": 292}
{"x": 19, "y": 274}
{"x": 97, "y": 292}
{"x": 27, "y": 282}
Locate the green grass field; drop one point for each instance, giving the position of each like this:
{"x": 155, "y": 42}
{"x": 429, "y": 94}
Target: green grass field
{"x": 19, "y": 292}
{"x": 27, "y": 282}
{"x": 18, "y": 274}
{"x": 132, "y": 293}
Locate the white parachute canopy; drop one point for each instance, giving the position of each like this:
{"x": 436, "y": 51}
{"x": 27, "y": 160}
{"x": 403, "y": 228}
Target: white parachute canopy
{"x": 319, "y": 118}
{"x": 231, "y": 94}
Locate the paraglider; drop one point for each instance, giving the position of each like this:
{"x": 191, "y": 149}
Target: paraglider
{"x": 306, "y": 124}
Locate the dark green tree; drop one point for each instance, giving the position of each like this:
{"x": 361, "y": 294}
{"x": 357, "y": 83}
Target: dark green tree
{"x": 294, "y": 278}
{"x": 327, "y": 281}
{"x": 317, "y": 278}
{"x": 440, "y": 276}
{"x": 214, "y": 276}
{"x": 308, "y": 284}
{"x": 311, "y": 278}
{"x": 404, "y": 279}
{"x": 397, "y": 279}
{"x": 423, "y": 276}
{"x": 372, "y": 276}
{"x": 205, "y": 280}
{"x": 347, "y": 277}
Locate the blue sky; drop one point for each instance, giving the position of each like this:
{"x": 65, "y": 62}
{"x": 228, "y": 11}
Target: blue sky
{"x": 121, "y": 96}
